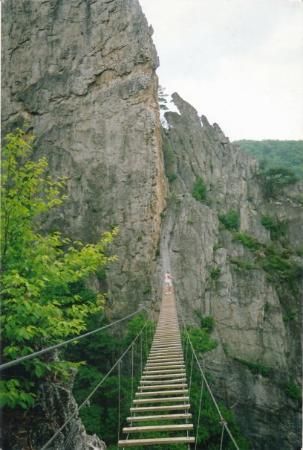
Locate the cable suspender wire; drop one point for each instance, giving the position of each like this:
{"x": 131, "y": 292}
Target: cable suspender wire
{"x": 132, "y": 373}
{"x": 141, "y": 355}
{"x": 208, "y": 388}
{"x": 222, "y": 436}
{"x": 146, "y": 343}
{"x": 191, "y": 371}
{"x": 199, "y": 414}
{"x": 68, "y": 341}
{"x": 186, "y": 349}
{"x": 119, "y": 398}
{"x": 93, "y": 391}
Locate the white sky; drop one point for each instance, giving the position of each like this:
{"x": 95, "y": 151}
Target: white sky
{"x": 239, "y": 62}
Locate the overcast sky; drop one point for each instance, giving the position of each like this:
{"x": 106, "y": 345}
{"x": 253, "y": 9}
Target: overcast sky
{"x": 239, "y": 62}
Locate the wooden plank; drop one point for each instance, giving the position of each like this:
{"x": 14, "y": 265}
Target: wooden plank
{"x": 175, "y": 339}
{"x": 159, "y": 417}
{"x": 164, "y": 386}
{"x": 156, "y": 441}
{"x": 170, "y": 334}
{"x": 166, "y": 355}
{"x": 165, "y": 375}
{"x": 164, "y": 366}
{"x": 164, "y": 344}
{"x": 161, "y": 362}
{"x": 148, "y": 428}
{"x": 166, "y": 360}
{"x": 160, "y": 408}
{"x": 173, "y": 361}
{"x": 174, "y": 380}
{"x": 164, "y": 392}
{"x": 139, "y": 401}
{"x": 170, "y": 358}
{"x": 163, "y": 371}
{"x": 165, "y": 349}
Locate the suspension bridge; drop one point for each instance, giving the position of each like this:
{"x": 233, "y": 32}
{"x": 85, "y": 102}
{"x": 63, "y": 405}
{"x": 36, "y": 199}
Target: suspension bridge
{"x": 163, "y": 388}
{"x": 160, "y": 413}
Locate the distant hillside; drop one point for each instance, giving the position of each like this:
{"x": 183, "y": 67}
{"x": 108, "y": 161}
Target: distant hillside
{"x": 288, "y": 154}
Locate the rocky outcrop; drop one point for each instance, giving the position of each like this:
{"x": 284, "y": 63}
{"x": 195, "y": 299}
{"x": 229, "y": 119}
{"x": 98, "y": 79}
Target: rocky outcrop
{"x": 81, "y": 74}
{"x": 258, "y": 354}
{"x": 54, "y": 406}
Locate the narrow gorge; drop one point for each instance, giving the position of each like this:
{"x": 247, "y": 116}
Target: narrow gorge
{"x": 81, "y": 76}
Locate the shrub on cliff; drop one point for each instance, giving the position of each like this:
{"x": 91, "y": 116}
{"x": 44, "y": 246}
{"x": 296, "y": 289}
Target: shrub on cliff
{"x": 44, "y": 299}
{"x": 231, "y": 220}
{"x": 199, "y": 190}
{"x": 277, "y": 228}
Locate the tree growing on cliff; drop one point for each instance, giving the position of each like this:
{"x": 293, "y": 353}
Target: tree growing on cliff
{"x": 43, "y": 276}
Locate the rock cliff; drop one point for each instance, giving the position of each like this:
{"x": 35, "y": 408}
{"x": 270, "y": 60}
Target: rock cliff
{"x": 226, "y": 273}
{"x": 81, "y": 75}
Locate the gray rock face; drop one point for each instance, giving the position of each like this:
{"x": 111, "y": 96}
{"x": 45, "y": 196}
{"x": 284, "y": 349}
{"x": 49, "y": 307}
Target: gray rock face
{"x": 82, "y": 75}
{"x": 57, "y": 402}
{"x": 217, "y": 276}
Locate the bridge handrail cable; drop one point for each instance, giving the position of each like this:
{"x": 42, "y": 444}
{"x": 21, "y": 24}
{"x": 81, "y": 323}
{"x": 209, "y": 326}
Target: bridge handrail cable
{"x": 95, "y": 388}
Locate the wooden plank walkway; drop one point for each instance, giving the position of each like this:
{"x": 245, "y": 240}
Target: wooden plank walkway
{"x": 162, "y": 395}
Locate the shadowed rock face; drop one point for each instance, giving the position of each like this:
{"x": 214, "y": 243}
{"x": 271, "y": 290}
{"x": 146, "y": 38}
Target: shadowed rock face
{"x": 216, "y": 275}
{"x": 82, "y": 75}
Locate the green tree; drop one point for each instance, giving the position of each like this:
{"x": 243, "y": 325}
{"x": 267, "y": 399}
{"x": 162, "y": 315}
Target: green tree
{"x": 275, "y": 179}
{"x": 199, "y": 190}
{"x": 273, "y": 153}
{"x": 43, "y": 276}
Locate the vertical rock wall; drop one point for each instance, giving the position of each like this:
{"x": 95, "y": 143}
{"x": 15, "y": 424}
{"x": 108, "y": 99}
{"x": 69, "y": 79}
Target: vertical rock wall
{"x": 81, "y": 74}
{"x": 216, "y": 275}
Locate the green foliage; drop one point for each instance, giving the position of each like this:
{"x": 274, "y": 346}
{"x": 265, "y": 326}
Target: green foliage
{"x": 242, "y": 264}
{"x": 288, "y": 154}
{"x": 44, "y": 299}
{"x": 215, "y": 273}
{"x": 199, "y": 190}
{"x": 276, "y": 261}
{"x": 293, "y": 391}
{"x": 256, "y": 368}
{"x": 207, "y": 323}
{"x": 201, "y": 340}
{"x": 275, "y": 179}
{"x": 169, "y": 160}
{"x": 247, "y": 241}
{"x": 162, "y": 98}
{"x": 277, "y": 228}
{"x": 231, "y": 220}
{"x": 280, "y": 266}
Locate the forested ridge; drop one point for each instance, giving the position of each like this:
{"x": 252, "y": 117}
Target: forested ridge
{"x": 276, "y": 153}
